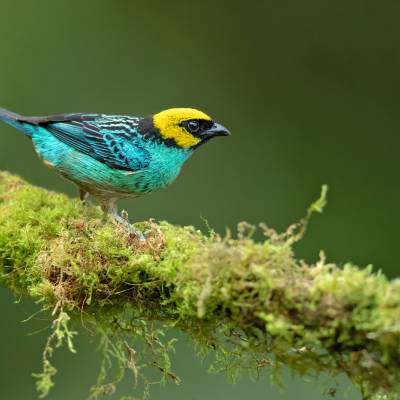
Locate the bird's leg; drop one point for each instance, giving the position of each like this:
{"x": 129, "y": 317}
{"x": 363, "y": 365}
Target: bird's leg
{"x": 110, "y": 209}
{"x": 83, "y": 195}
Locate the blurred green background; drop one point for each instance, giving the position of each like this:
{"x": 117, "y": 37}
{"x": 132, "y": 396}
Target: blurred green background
{"x": 310, "y": 91}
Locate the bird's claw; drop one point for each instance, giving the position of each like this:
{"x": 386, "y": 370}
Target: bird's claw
{"x": 119, "y": 220}
{"x": 136, "y": 232}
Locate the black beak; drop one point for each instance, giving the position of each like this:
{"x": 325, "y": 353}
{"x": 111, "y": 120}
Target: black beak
{"x": 215, "y": 130}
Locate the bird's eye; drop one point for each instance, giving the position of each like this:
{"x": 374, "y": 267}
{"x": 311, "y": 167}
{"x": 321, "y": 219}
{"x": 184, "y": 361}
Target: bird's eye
{"x": 193, "y": 126}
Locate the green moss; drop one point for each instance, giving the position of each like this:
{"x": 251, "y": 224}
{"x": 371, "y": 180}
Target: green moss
{"x": 253, "y": 305}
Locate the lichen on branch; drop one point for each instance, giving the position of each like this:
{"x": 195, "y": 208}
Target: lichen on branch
{"x": 252, "y": 304}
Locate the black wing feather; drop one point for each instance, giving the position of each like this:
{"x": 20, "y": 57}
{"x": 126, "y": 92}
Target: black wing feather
{"x": 89, "y": 134}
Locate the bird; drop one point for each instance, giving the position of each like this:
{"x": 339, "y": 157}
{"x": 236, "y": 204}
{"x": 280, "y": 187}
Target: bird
{"x": 113, "y": 157}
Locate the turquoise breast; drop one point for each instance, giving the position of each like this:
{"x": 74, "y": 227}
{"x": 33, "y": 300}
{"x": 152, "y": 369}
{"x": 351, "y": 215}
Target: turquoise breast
{"x": 97, "y": 178}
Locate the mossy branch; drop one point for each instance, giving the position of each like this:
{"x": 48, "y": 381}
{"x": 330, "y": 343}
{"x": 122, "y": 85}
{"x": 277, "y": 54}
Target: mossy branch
{"x": 253, "y": 304}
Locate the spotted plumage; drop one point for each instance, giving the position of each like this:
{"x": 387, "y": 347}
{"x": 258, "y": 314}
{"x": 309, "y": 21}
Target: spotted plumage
{"x": 114, "y": 156}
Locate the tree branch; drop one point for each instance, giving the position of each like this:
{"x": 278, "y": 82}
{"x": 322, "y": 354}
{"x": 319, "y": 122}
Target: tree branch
{"x": 253, "y": 304}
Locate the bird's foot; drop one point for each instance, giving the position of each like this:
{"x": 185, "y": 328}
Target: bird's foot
{"x": 120, "y": 220}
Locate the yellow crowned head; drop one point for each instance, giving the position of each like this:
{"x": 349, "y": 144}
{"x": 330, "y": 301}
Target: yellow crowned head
{"x": 182, "y": 125}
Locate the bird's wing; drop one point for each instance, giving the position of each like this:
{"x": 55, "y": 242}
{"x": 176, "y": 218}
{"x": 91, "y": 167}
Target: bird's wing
{"x": 112, "y": 140}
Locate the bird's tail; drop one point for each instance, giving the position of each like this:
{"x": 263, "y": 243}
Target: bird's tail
{"x": 16, "y": 120}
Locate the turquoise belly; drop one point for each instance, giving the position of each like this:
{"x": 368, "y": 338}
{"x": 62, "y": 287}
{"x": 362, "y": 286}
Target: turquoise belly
{"x": 101, "y": 180}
